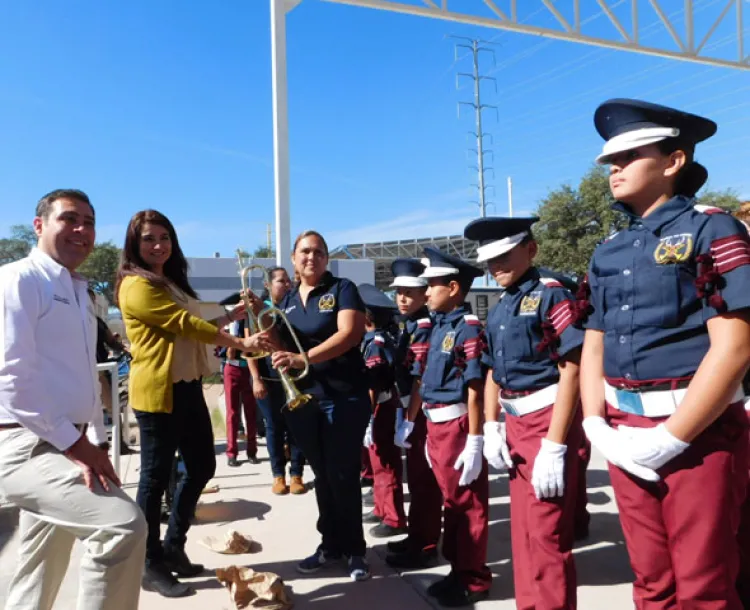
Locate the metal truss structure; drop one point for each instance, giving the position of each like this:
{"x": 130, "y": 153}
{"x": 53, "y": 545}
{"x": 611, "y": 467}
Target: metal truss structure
{"x": 385, "y": 252}
{"x": 574, "y": 22}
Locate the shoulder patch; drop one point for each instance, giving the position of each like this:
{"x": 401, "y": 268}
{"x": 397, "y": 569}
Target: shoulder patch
{"x": 424, "y": 323}
{"x": 472, "y": 320}
{"x": 379, "y": 339}
{"x": 709, "y": 209}
{"x": 550, "y": 282}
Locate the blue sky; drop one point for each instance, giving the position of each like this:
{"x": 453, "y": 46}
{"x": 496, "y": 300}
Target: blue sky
{"x": 168, "y": 105}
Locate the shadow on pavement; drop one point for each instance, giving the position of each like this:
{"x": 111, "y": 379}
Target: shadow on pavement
{"x": 228, "y": 511}
{"x": 8, "y": 524}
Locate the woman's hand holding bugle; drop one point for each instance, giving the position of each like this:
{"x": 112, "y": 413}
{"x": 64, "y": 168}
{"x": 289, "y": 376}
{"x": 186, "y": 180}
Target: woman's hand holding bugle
{"x": 287, "y": 360}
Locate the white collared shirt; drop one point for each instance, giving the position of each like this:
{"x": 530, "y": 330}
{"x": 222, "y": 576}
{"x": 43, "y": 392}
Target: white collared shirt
{"x": 48, "y": 377}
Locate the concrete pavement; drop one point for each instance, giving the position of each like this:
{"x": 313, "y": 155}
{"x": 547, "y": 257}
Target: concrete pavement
{"x": 285, "y": 527}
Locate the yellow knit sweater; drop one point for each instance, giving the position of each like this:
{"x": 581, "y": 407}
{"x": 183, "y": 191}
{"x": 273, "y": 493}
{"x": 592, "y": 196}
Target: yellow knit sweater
{"x": 152, "y": 322}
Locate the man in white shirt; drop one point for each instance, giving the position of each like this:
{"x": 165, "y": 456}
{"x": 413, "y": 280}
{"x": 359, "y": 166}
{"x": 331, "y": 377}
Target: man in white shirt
{"x": 53, "y": 460}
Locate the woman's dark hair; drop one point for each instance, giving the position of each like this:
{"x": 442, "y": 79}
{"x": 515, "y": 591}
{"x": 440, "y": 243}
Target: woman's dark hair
{"x": 266, "y": 294}
{"x": 300, "y": 237}
{"x": 131, "y": 263}
{"x": 692, "y": 176}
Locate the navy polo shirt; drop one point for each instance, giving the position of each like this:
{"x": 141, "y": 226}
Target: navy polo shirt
{"x": 379, "y": 354}
{"x": 414, "y": 335}
{"x": 530, "y": 327}
{"x": 316, "y": 322}
{"x": 655, "y": 285}
{"x": 454, "y": 357}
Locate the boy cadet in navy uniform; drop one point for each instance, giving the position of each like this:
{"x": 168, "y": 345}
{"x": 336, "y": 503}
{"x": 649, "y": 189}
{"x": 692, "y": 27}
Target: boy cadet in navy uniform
{"x": 419, "y": 548}
{"x": 451, "y": 389}
{"x": 379, "y": 353}
{"x": 667, "y": 344}
{"x": 533, "y": 349}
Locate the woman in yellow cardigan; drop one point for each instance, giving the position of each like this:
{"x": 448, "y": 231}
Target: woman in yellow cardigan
{"x": 167, "y": 337}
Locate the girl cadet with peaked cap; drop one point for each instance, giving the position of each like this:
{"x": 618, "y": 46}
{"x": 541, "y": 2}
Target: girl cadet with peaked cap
{"x": 667, "y": 345}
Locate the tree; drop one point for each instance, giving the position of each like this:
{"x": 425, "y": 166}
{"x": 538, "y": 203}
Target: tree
{"x": 22, "y": 239}
{"x": 264, "y": 252}
{"x": 573, "y": 221}
{"x": 101, "y": 268}
{"x": 727, "y": 199}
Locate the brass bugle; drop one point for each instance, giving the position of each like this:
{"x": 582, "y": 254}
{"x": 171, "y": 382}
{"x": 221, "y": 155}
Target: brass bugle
{"x": 253, "y": 325}
{"x": 294, "y": 398}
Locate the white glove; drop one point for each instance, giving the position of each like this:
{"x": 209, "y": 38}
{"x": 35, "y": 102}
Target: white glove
{"x": 548, "y": 476}
{"x": 367, "y": 441}
{"x": 402, "y": 433}
{"x": 427, "y": 455}
{"x": 496, "y": 447}
{"x": 613, "y": 445}
{"x": 652, "y": 447}
{"x": 399, "y": 418}
{"x": 470, "y": 459}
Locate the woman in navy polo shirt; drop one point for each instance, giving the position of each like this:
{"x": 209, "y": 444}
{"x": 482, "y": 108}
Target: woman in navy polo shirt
{"x": 328, "y": 316}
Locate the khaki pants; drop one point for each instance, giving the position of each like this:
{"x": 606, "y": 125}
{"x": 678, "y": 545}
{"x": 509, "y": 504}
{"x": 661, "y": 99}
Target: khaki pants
{"x": 56, "y": 508}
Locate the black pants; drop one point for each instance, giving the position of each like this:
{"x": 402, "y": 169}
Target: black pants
{"x": 330, "y": 433}
{"x": 187, "y": 428}
{"x": 277, "y": 433}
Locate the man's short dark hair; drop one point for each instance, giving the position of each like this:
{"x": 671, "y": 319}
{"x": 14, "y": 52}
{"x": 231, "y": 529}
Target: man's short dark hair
{"x": 44, "y": 207}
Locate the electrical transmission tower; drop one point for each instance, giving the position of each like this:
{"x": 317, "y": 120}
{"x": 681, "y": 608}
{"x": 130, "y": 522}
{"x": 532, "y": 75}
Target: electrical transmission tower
{"x": 476, "y": 47}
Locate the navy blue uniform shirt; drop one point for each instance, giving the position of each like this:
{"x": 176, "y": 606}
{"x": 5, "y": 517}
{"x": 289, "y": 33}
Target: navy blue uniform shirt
{"x": 531, "y": 326}
{"x": 316, "y": 322}
{"x": 379, "y": 353}
{"x": 413, "y": 336}
{"x": 454, "y": 357}
{"x": 655, "y": 285}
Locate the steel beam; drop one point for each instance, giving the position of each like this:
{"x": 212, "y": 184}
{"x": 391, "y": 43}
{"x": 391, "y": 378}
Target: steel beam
{"x": 687, "y": 48}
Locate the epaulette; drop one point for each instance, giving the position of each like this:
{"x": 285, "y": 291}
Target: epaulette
{"x": 609, "y": 237}
{"x": 550, "y": 282}
{"x": 424, "y": 323}
{"x": 472, "y": 320}
{"x": 709, "y": 209}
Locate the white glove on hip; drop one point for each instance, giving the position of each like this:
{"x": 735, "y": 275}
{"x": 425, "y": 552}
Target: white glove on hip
{"x": 548, "y": 476}
{"x": 613, "y": 444}
{"x": 652, "y": 447}
{"x": 470, "y": 459}
{"x": 496, "y": 447}
{"x": 367, "y": 441}
{"x": 402, "y": 433}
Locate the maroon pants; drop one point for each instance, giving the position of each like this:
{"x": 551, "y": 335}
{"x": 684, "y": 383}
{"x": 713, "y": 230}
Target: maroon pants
{"x": 366, "y": 472}
{"x": 387, "y": 470}
{"x": 681, "y": 531}
{"x": 238, "y": 390}
{"x": 466, "y": 507}
{"x": 582, "y": 516}
{"x": 743, "y": 538}
{"x": 426, "y": 503}
{"x": 541, "y": 531}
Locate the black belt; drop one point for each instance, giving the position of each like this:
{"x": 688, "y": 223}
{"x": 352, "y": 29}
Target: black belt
{"x": 81, "y": 427}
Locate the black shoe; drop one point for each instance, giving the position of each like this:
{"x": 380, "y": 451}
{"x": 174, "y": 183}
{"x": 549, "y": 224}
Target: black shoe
{"x": 253, "y": 459}
{"x": 177, "y": 561}
{"x": 371, "y": 517}
{"x": 157, "y": 577}
{"x": 412, "y": 560}
{"x": 125, "y": 449}
{"x": 441, "y": 586}
{"x": 368, "y": 499}
{"x": 383, "y": 530}
{"x": 399, "y": 546}
{"x": 233, "y": 462}
{"x": 457, "y": 596}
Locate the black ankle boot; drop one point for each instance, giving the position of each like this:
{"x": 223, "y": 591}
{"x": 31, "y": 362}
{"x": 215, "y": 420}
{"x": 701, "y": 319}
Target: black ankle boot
{"x": 177, "y": 561}
{"x": 157, "y": 577}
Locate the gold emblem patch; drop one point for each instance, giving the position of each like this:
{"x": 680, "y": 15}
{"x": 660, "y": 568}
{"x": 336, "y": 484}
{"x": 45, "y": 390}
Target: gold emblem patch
{"x": 448, "y": 342}
{"x": 327, "y": 302}
{"x": 530, "y": 303}
{"x": 674, "y": 249}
